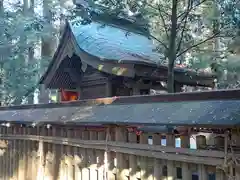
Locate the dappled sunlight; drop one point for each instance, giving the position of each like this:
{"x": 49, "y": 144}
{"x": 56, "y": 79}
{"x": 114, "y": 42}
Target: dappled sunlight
{"x": 105, "y": 100}
{"x": 98, "y": 153}
{"x": 119, "y": 71}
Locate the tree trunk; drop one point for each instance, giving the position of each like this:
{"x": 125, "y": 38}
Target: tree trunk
{"x": 47, "y": 49}
{"x": 172, "y": 48}
{"x": 1, "y": 59}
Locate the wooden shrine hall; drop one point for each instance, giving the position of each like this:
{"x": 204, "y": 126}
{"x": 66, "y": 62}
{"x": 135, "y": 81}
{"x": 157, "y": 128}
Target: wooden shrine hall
{"x": 100, "y": 59}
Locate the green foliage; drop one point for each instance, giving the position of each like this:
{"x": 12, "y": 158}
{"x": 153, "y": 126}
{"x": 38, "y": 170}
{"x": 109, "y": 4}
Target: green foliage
{"x": 199, "y": 22}
{"x": 20, "y": 31}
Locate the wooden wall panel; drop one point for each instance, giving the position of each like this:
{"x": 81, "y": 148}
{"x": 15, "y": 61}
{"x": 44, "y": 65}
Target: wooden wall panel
{"x": 95, "y": 91}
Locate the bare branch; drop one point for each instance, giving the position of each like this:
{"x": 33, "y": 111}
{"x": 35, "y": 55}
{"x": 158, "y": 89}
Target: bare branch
{"x": 153, "y": 7}
{"x": 195, "y": 45}
{"x": 184, "y": 27}
{"x": 161, "y": 11}
{"x": 217, "y": 34}
{"x": 185, "y": 14}
{"x": 162, "y": 43}
{"x": 164, "y": 23}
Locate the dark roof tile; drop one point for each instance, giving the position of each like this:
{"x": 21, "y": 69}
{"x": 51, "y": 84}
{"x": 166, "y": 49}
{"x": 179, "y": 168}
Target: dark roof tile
{"x": 215, "y": 112}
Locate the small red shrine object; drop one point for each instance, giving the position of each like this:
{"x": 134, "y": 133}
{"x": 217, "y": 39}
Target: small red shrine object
{"x": 67, "y": 95}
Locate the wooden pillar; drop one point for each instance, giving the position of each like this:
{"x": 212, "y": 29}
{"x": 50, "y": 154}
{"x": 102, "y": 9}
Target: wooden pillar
{"x": 22, "y": 157}
{"x": 93, "y": 158}
{"x": 85, "y": 169}
{"x": 9, "y": 155}
{"x": 69, "y": 160}
{"x": 41, "y": 158}
{"x": 136, "y": 91}
{"x": 108, "y": 158}
{"x": 157, "y": 162}
{"x": 4, "y": 156}
{"x": 177, "y": 87}
{"x": 48, "y": 154}
{"x": 15, "y": 156}
{"x": 202, "y": 172}
{"x": 132, "y": 158}
{"x": 143, "y": 160}
{"x": 77, "y": 158}
{"x": 56, "y": 152}
{"x": 100, "y": 157}
{"x": 29, "y": 154}
{"x": 171, "y": 170}
{"x": 220, "y": 175}
{"x": 121, "y": 135}
{"x": 62, "y": 166}
{"x": 201, "y": 141}
{"x": 108, "y": 88}
{"x": 58, "y": 95}
{"x": 186, "y": 172}
{"x": 34, "y": 147}
{"x": 1, "y": 156}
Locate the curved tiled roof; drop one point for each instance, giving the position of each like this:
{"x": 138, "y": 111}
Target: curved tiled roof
{"x": 113, "y": 43}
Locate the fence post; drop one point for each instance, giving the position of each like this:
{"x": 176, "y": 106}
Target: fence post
{"x": 157, "y": 162}
{"x": 100, "y": 157}
{"x": 185, "y": 143}
{"x": 171, "y": 170}
{"x": 85, "y": 169}
{"x": 121, "y": 135}
{"x": 92, "y": 155}
{"x": 132, "y": 137}
{"x": 108, "y": 158}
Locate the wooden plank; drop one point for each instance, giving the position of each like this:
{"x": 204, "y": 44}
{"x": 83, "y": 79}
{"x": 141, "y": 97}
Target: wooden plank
{"x": 157, "y": 162}
{"x": 93, "y": 158}
{"x": 132, "y": 137}
{"x": 202, "y": 172}
{"x": 48, "y": 154}
{"x": 30, "y": 158}
{"x": 143, "y": 159}
{"x": 69, "y": 157}
{"x": 109, "y": 159}
{"x": 15, "y": 151}
{"x": 56, "y": 149}
{"x": 220, "y": 175}
{"x": 22, "y": 157}
{"x": 121, "y": 135}
{"x": 77, "y": 158}
{"x": 201, "y": 141}
{"x": 150, "y": 151}
{"x": 186, "y": 171}
{"x": 100, "y": 158}
{"x": 41, "y": 158}
{"x": 34, "y": 146}
{"x": 8, "y": 155}
{"x": 3, "y": 168}
{"x": 85, "y": 169}
{"x": 171, "y": 169}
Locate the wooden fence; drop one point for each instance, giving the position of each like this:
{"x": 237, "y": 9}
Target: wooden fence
{"x": 109, "y": 153}
{"x": 68, "y": 149}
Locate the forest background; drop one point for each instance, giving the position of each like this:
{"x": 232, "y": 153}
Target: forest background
{"x": 203, "y": 35}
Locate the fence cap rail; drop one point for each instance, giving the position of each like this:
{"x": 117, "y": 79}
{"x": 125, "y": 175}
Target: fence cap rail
{"x": 212, "y": 108}
{"x": 231, "y": 94}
